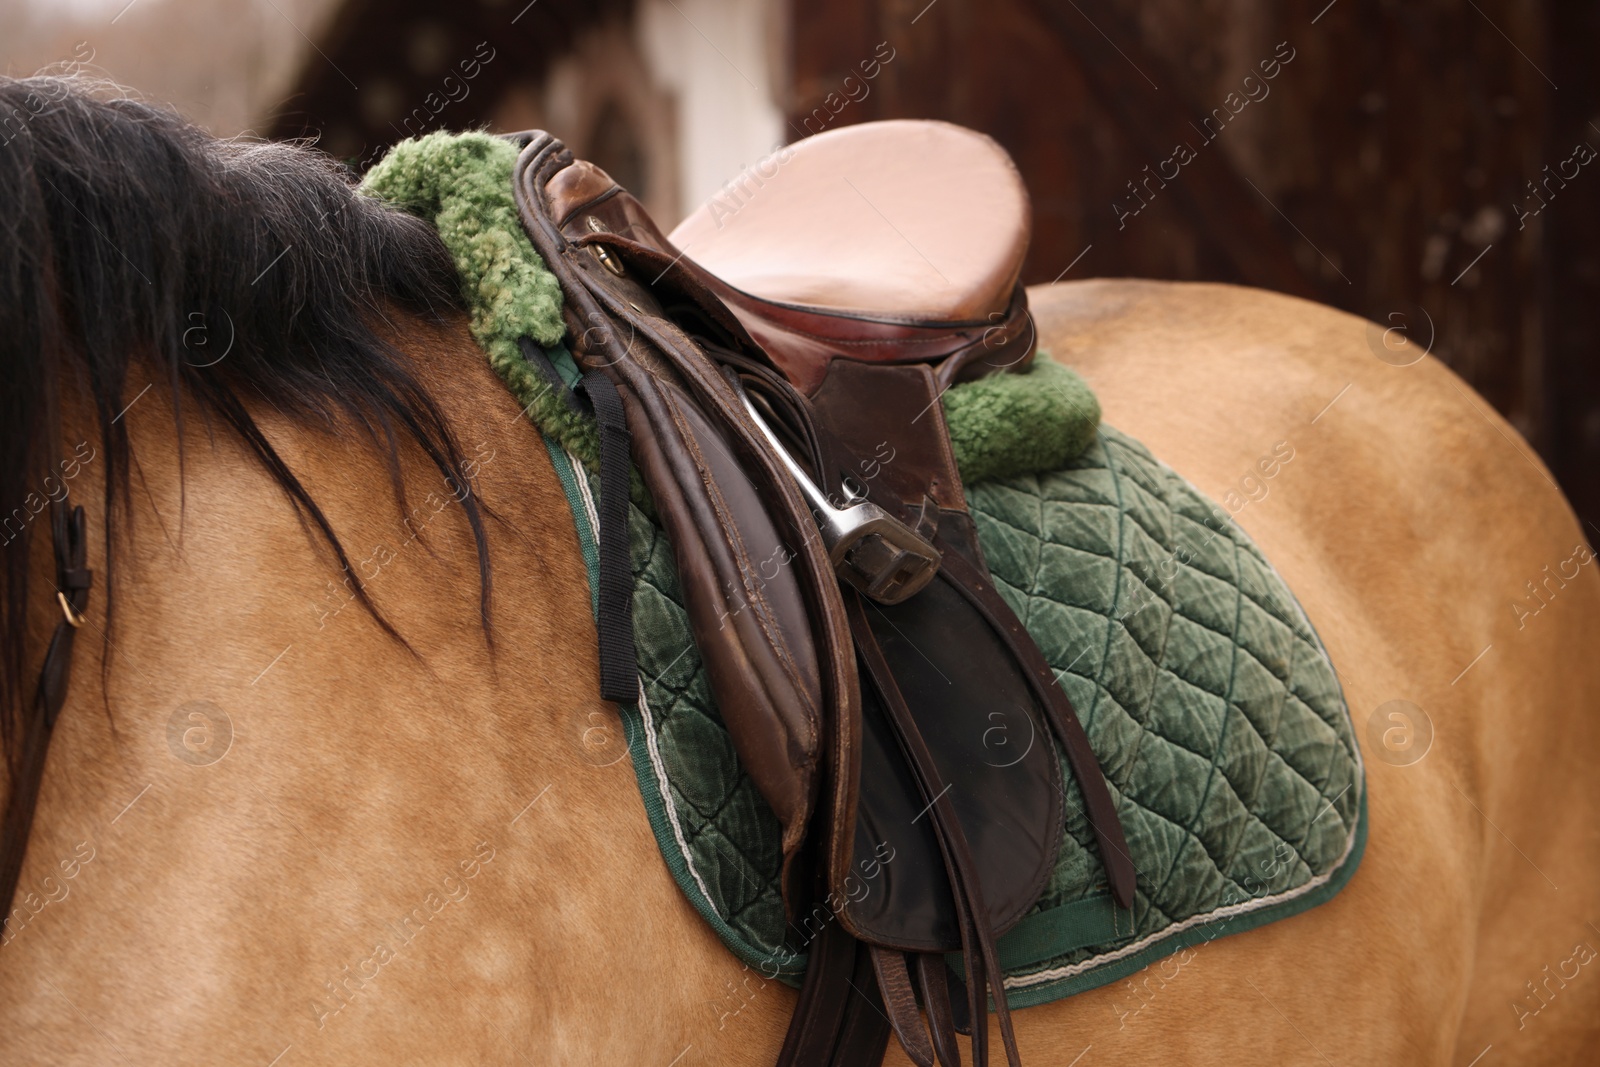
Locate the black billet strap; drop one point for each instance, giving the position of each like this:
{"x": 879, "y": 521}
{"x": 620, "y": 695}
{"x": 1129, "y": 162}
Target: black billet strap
{"x": 72, "y": 581}
{"x": 619, "y": 664}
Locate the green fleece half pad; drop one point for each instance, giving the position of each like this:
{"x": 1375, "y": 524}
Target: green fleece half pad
{"x": 1008, "y": 424}
{"x": 461, "y": 184}
{"x": 1205, "y": 692}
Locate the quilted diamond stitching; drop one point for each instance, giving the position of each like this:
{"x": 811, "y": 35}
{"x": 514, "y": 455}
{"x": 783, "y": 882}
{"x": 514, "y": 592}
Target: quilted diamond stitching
{"x": 1240, "y": 550}
{"x": 1153, "y": 701}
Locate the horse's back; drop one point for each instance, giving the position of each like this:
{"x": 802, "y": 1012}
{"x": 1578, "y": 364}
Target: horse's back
{"x": 441, "y": 858}
{"x": 1409, "y": 521}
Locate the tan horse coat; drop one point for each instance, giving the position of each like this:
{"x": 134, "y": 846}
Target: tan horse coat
{"x": 440, "y": 859}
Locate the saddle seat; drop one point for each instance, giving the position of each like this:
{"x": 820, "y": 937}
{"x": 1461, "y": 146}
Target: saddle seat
{"x": 851, "y": 240}
{"x": 855, "y": 222}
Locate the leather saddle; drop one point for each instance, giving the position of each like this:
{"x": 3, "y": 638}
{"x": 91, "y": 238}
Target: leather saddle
{"x": 774, "y": 371}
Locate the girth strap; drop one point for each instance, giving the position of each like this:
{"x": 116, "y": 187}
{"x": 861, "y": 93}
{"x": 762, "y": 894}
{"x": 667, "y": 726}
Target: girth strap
{"x": 72, "y": 582}
{"x": 840, "y": 1019}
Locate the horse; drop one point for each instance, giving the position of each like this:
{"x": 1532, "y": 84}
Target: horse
{"x": 333, "y": 782}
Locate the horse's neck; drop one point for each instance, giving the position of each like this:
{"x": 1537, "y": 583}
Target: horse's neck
{"x": 298, "y": 827}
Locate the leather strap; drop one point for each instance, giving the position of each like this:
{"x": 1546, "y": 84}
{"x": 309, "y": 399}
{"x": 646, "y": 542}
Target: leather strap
{"x": 900, "y": 1002}
{"x": 932, "y": 977}
{"x": 1098, "y": 805}
{"x": 72, "y": 582}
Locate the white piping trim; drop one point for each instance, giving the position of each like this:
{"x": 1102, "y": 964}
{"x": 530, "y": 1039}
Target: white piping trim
{"x": 1038, "y": 977}
{"x": 1231, "y": 911}
{"x": 656, "y": 763}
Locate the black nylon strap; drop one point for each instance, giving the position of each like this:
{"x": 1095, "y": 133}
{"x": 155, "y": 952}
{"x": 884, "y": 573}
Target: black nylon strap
{"x": 619, "y": 664}
{"x": 539, "y": 360}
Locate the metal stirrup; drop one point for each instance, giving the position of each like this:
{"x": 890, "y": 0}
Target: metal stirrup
{"x": 869, "y": 548}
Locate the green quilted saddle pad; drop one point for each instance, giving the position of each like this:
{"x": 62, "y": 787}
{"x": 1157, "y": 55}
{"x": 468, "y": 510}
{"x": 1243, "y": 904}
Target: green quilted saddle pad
{"x": 1205, "y": 692}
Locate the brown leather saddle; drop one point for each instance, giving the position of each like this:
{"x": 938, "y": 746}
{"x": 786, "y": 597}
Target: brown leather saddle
{"x": 774, "y": 371}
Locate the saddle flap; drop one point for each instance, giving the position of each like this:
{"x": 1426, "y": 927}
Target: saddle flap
{"x": 758, "y": 585}
{"x": 992, "y": 747}
{"x": 749, "y": 615}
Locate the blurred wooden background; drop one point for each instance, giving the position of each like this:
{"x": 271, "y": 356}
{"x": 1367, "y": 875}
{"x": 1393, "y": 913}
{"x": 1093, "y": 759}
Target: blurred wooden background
{"x": 1390, "y": 168}
{"x": 1423, "y": 164}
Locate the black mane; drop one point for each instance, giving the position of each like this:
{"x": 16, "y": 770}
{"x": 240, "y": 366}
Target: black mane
{"x": 131, "y": 238}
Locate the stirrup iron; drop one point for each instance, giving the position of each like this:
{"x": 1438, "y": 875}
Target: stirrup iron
{"x": 870, "y": 549}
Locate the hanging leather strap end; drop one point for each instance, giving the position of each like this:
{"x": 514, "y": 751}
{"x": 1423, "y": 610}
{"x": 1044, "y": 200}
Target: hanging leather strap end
{"x": 900, "y": 1002}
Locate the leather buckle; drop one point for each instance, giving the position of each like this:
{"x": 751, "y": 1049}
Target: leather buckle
{"x": 868, "y": 547}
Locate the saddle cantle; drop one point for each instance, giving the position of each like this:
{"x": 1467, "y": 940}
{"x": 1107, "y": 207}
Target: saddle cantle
{"x": 795, "y": 450}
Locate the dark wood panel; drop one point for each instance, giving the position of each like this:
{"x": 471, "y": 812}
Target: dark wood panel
{"x": 1381, "y": 170}
{"x": 1569, "y": 269}
{"x": 378, "y": 75}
